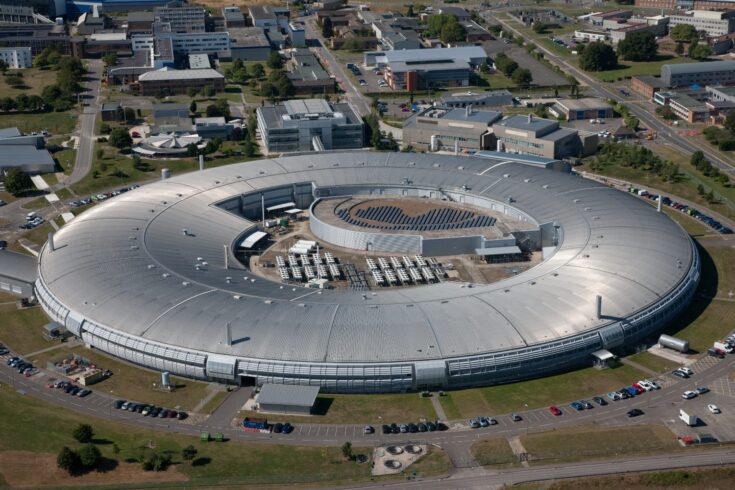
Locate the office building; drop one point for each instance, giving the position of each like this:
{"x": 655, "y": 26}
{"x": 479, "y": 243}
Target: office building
{"x": 440, "y": 128}
{"x": 688, "y": 108}
{"x": 493, "y": 98}
{"x": 17, "y": 58}
{"x": 542, "y": 137}
{"x": 182, "y": 19}
{"x": 704, "y": 73}
{"x": 233, "y": 17}
{"x": 712, "y": 23}
{"x": 213, "y": 127}
{"x": 140, "y": 22}
{"x": 309, "y": 124}
{"x": 167, "y": 81}
{"x": 296, "y": 34}
{"x": 35, "y": 36}
{"x": 249, "y": 44}
{"x": 579, "y": 109}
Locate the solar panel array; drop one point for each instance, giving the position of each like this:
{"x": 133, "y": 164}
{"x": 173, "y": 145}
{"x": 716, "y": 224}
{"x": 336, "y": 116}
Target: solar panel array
{"x": 394, "y": 218}
{"x": 308, "y": 266}
{"x": 403, "y": 271}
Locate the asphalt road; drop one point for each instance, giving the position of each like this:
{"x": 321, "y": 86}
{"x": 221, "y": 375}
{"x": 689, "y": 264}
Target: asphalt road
{"x": 600, "y": 89}
{"x": 91, "y": 98}
{"x": 354, "y": 96}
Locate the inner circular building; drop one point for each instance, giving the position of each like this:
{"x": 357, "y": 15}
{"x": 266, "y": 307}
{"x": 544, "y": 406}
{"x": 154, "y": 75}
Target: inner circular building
{"x": 368, "y": 272}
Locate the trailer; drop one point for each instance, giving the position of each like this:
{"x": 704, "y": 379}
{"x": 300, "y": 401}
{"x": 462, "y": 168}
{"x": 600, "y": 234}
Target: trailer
{"x": 690, "y": 420}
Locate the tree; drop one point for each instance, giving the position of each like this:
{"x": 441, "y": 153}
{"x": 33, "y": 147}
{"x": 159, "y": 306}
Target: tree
{"x": 100, "y": 153}
{"x": 209, "y": 91}
{"x": 697, "y": 159}
{"x": 129, "y": 115}
{"x": 192, "y": 92}
{"x": 120, "y": 138}
{"x": 453, "y": 32}
{"x": 110, "y": 59}
{"x": 275, "y": 62}
{"x": 84, "y": 432}
{"x": 189, "y": 453}
{"x": 638, "y": 46}
{"x": 598, "y": 56}
{"x": 156, "y": 462}
{"x": 683, "y": 33}
{"x": 522, "y": 77}
{"x": 327, "y": 28}
{"x": 193, "y": 107}
{"x": 410, "y": 12}
{"x": 505, "y": 64}
{"x": 3, "y": 66}
{"x": 257, "y": 70}
{"x": 539, "y": 27}
{"x": 248, "y": 148}
{"x": 730, "y": 122}
{"x": 68, "y": 460}
{"x": 90, "y": 456}
{"x": 631, "y": 122}
{"x": 16, "y": 181}
{"x": 679, "y": 49}
{"x": 699, "y": 51}
{"x": 347, "y": 450}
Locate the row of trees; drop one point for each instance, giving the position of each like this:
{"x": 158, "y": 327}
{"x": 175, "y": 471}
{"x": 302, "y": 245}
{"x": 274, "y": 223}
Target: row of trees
{"x": 446, "y": 27}
{"x": 704, "y": 166}
{"x": 520, "y": 76}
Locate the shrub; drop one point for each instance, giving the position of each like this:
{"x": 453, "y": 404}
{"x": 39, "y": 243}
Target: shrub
{"x": 83, "y": 433}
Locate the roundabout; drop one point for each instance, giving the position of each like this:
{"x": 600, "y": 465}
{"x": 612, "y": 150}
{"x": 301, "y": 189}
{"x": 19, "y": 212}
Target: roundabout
{"x": 152, "y": 276}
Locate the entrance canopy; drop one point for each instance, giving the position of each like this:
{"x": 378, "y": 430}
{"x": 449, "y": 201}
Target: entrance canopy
{"x": 280, "y": 207}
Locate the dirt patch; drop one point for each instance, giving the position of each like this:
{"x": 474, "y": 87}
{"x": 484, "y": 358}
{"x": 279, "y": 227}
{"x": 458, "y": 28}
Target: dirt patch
{"x": 24, "y": 469}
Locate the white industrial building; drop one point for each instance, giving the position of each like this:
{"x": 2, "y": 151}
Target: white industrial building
{"x": 17, "y": 58}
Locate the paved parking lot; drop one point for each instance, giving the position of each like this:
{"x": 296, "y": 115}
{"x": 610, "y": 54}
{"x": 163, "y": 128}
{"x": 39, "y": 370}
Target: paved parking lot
{"x": 541, "y": 73}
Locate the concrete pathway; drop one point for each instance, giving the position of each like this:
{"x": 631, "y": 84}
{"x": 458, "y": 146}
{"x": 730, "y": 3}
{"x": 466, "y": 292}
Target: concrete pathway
{"x": 441, "y": 415}
{"x": 213, "y": 389}
{"x": 223, "y": 415}
{"x": 517, "y": 447}
{"x": 71, "y": 343}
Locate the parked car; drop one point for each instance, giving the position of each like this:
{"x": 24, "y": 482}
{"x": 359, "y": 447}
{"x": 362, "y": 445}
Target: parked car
{"x": 702, "y": 390}
{"x": 686, "y": 370}
{"x": 586, "y": 404}
{"x": 599, "y": 400}
{"x": 386, "y": 429}
{"x": 713, "y": 408}
{"x": 577, "y": 406}
{"x": 118, "y": 404}
{"x": 483, "y": 421}
{"x": 635, "y": 412}
{"x": 287, "y": 428}
{"x": 278, "y": 428}
{"x": 474, "y": 424}
{"x": 368, "y": 429}
{"x": 680, "y": 374}
{"x": 555, "y": 410}
{"x": 515, "y": 417}
{"x": 688, "y": 395}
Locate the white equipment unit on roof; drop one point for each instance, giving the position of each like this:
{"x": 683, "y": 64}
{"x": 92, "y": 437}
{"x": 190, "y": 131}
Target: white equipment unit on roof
{"x": 252, "y": 239}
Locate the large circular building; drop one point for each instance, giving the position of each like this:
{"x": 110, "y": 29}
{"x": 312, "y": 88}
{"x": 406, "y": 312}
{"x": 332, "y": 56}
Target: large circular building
{"x": 152, "y": 275}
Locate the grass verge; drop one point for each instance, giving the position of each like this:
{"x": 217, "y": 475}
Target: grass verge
{"x": 653, "y": 362}
{"x": 578, "y": 443}
{"x": 495, "y": 451}
{"x": 21, "y": 329}
{"x": 53, "y": 122}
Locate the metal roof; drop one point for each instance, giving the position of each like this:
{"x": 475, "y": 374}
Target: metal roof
{"x": 166, "y": 74}
{"x": 463, "y": 53}
{"x": 307, "y": 106}
{"x": 126, "y": 265}
{"x": 18, "y": 266}
{"x": 701, "y": 67}
{"x": 24, "y": 154}
{"x": 292, "y": 395}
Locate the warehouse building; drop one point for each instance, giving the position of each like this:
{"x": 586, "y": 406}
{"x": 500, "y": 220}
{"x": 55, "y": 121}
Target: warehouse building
{"x": 307, "y": 75}
{"x": 167, "y": 81}
{"x": 24, "y": 152}
{"x": 415, "y": 69}
{"x": 542, "y": 137}
{"x": 437, "y": 128}
{"x": 281, "y": 398}
{"x": 580, "y": 109}
{"x": 704, "y": 73}
{"x": 310, "y": 124}
{"x": 18, "y": 272}
{"x": 249, "y": 44}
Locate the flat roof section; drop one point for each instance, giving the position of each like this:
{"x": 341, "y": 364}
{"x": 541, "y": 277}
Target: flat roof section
{"x": 289, "y": 395}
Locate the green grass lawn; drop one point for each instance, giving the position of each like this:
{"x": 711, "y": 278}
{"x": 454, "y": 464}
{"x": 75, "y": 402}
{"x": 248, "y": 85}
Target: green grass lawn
{"x": 66, "y": 159}
{"x": 367, "y": 409}
{"x": 35, "y": 80}
{"x": 651, "y": 361}
{"x": 579, "y": 443}
{"x": 691, "y": 225}
{"x": 703, "y": 323}
{"x": 21, "y": 329}
{"x": 215, "y": 402}
{"x": 131, "y": 382}
{"x": 535, "y": 393}
{"x": 112, "y": 160}
{"x": 627, "y": 69}
{"x": 232, "y": 463}
{"x": 498, "y": 80}
{"x": 689, "y": 478}
{"x": 37, "y": 203}
{"x": 54, "y": 122}
{"x": 39, "y": 234}
{"x": 495, "y": 451}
